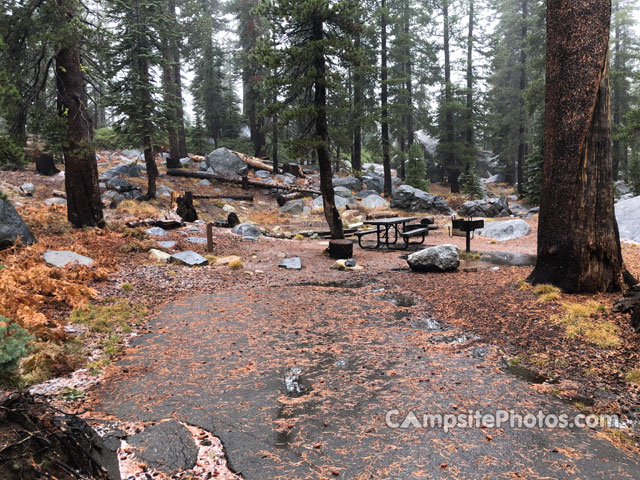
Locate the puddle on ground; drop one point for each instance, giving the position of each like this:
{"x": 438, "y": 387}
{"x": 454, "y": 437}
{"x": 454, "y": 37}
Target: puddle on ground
{"x": 529, "y": 375}
{"x": 454, "y": 339}
{"x": 398, "y": 299}
{"x": 338, "y": 284}
{"x": 489, "y": 259}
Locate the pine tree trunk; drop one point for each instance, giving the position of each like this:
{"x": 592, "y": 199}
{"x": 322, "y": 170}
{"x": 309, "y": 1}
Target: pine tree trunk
{"x": 450, "y": 160}
{"x": 169, "y": 96}
{"x": 469, "y": 126}
{"x": 251, "y": 95}
{"x": 578, "y": 249}
{"x": 322, "y": 132}
{"x": 616, "y": 100}
{"x": 177, "y": 82}
{"x": 84, "y": 207}
{"x": 358, "y": 99}
{"x": 384, "y": 94}
{"x": 522, "y": 146}
{"x": 274, "y": 139}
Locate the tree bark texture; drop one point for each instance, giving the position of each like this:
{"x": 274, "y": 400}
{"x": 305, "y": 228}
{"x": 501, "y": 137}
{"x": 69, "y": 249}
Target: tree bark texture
{"x": 84, "y": 207}
{"x": 384, "y": 95}
{"x": 322, "y": 132}
{"x": 578, "y": 245}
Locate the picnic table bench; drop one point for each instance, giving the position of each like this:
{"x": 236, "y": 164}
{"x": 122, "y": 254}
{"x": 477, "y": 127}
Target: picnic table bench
{"x": 389, "y": 230}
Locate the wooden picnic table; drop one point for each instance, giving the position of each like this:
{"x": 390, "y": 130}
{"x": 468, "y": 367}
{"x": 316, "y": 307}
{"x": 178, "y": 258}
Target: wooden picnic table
{"x": 387, "y": 231}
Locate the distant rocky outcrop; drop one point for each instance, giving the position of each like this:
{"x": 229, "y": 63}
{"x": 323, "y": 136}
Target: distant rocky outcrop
{"x": 406, "y": 197}
{"x": 489, "y": 208}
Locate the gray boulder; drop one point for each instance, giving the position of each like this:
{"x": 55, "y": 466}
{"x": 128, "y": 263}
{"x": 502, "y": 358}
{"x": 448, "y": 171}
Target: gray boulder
{"x": 164, "y": 191}
{"x": 628, "y": 218}
{"x": 12, "y": 226}
{"x": 443, "y": 258}
{"x": 374, "y": 182}
{"x": 352, "y": 183}
{"x": 293, "y": 207}
{"x": 111, "y": 198}
{"x": 189, "y": 258}
{"x": 366, "y": 193}
{"x": 374, "y": 201}
{"x": 246, "y": 230}
{"x": 622, "y": 187}
{"x": 341, "y": 202}
{"x": 262, "y": 174}
{"x": 185, "y": 162}
{"x": 343, "y": 192}
{"x": 489, "y": 208}
{"x": 226, "y": 163}
{"x": 503, "y": 231}
{"x": 415, "y": 200}
{"x": 122, "y": 170}
{"x": 120, "y": 185}
{"x": 62, "y": 258}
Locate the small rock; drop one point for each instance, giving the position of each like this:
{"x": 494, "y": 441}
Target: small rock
{"x": 189, "y": 258}
{"x": 62, "y": 258}
{"x": 28, "y": 189}
{"x": 262, "y": 174}
{"x": 198, "y": 240}
{"x": 55, "y": 201}
{"x": 227, "y": 260}
{"x": 205, "y": 182}
{"x": 228, "y": 208}
{"x": 348, "y": 265}
{"x": 158, "y": 256}
{"x": 293, "y": 263}
{"x": 479, "y": 352}
{"x": 167, "y": 244}
{"x": 120, "y": 185}
{"x": 157, "y": 232}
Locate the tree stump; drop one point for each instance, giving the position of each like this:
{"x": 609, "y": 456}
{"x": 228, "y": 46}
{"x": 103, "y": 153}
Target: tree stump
{"x": 46, "y": 165}
{"x": 173, "y": 162}
{"x": 233, "y": 220}
{"x": 293, "y": 169}
{"x": 185, "y": 209}
{"x": 341, "y": 249}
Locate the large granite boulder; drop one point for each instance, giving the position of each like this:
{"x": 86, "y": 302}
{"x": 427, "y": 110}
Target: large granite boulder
{"x": 629, "y": 219}
{"x": 352, "y": 183}
{"x": 489, "y": 208}
{"x": 443, "y": 258}
{"x": 246, "y": 230}
{"x": 226, "y": 163}
{"x": 12, "y": 226}
{"x": 343, "y": 192}
{"x": 374, "y": 201}
{"x": 507, "y": 230}
{"x": 122, "y": 170}
{"x": 406, "y": 197}
{"x": 374, "y": 182}
{"x": 293, "y": 207}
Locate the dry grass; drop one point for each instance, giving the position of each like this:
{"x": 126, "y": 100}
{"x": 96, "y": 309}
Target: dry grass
{"x": 579, "y": 323}
{"x": 633, "y": 377}
{"x": 236, "y": 264}
{"x": 523, "y": 285}
{"x": 140, "y": 209}
{"x": 547, "y": 293}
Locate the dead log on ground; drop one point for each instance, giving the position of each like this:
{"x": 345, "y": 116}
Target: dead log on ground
{"x": 242, "y": 198}
{"x": 284, "y": 198}
{"x": 175, "y": 172}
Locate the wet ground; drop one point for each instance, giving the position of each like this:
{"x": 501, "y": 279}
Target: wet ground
{"x": 298, "y": 379}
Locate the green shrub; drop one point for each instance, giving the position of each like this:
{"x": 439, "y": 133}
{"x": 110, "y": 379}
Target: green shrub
{"x": 106, "y": 139}
{"x": 416, "y": 168}
{"x": 11, "y": 155}
{"x": 472, "y": 185}
{"x": 14, "y": 345}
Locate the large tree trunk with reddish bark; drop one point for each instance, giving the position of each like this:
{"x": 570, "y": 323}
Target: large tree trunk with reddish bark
{"x": 578, "y": 245}
{"x": 84, "y": 207}
{"x": 322, "y": 132}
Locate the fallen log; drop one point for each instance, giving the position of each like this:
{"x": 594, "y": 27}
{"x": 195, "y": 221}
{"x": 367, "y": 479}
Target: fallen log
{"x": 282, "y": 199}
{"x": 176, "y": 172}
{"x": 253, "y": 161}
{"x": 244, "y": 198}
